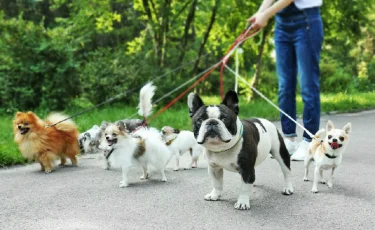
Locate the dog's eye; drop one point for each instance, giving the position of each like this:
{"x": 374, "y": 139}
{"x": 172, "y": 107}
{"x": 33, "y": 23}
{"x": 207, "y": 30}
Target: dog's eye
{"x": 163, "y": 132}
{"x": 224, "y": 119}
{"x": 114, "y": 134}
{"x": 25, "y": 123}
{"x": 329, "y": 136}
{"x": 199, "y": 121}
{"x": 341, "y": 138}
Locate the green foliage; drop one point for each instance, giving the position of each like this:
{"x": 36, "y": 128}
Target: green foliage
{"x": 37, "y": 66}
{"x": 63, "y": 53}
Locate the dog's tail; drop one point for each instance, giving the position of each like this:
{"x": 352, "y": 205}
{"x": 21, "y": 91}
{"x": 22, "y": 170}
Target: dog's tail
{"x": 145, "y": 97}
{"x": 66, "y": 126}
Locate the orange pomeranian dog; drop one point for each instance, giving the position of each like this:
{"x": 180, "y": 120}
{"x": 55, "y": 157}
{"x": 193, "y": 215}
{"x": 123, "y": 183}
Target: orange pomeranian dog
{"x": 37, "y": 141}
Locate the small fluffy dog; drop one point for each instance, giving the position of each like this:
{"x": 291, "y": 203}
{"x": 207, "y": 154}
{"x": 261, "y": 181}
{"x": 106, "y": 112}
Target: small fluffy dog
{"x": 236, "y": 145}
{"x": 180, "y": 142}
{"x": 146, "y": 149}
{"x": 328, "y": 154}
{"x": 143, "y": 151}
{"x": 89, "y": 140}
{"x": 37, "y": 141}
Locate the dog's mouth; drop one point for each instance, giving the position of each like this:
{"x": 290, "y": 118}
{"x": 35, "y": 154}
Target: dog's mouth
{"x": 23, "y": 131}
{"x": 112, "y": 142}
{"x": 213, "y": 133}
{"x": 335, "y": 145}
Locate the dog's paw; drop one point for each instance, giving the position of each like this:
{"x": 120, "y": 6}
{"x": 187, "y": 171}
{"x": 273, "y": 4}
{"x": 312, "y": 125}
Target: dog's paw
{"x": 314, "y": 190}
{"x": 212, "y": 196}
{"x": 322, "y": 181}
{"x": 329, "y": 184}
{"x": 288, "y": 191}
{"x": 47, "y": 170}
{"x": 143, "y": 177}
{"x": 175, "y": 169}
{"x": 242, "y": 205}
{"x": 305, "y": 179}
{"x": 123, "y": 184}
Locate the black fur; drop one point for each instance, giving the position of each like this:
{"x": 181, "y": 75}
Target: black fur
{"x": 231, "y": 101}
{"x": 255, "y": 120}
{"x": 197, "y": 103}
{"x": 284, "y": 153}
{"x": 249, "y": 152}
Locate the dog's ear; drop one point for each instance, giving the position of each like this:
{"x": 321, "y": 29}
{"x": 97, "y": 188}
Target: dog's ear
{"x": 329, "y": 126}
{"x": 18, "y": 114}
{"x": 194, "y": 103}
{"x": 231, "y": 101}
{"x": 348, "y": 128}
{"x": 104, "y": 125}
{"x": 176, "y": 131}
{"x": 121, "y": 126}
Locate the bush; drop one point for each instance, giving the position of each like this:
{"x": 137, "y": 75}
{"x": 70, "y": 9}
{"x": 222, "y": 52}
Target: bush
{"x": 334, "y": 78}
{"x": 37, "y": 66}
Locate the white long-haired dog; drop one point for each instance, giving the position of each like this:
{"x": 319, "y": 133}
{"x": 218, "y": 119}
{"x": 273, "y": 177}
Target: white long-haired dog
{"x": 144, "y": 150}
{"x": 180, "y": 142}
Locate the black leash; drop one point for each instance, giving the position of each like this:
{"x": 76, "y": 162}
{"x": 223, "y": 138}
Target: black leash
{"x": 109, "y": 154}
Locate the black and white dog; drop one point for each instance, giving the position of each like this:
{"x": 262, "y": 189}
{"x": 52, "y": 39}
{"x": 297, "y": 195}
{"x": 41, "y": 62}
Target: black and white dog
{"x": 236, "y": 145}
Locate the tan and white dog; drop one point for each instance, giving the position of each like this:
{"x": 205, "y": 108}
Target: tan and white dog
{"x": 326, "y": 154}
{"x": 180, "y": 142}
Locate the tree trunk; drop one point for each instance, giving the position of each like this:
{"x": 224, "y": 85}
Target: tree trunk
{"x": 189, "y": 21}
{"x": 266, "y": 31}
{"x": 203, "y": 43}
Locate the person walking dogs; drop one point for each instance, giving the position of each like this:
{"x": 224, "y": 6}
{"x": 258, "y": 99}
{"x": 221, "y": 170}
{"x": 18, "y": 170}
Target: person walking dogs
{"x": 298, "y": 41}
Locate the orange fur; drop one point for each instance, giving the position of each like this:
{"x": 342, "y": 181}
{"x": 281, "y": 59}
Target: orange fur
{"x": 44, "y": 144}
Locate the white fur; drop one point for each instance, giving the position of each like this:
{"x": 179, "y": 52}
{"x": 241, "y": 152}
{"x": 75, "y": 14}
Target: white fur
{"x": 156, "y": 155}
{"x": 213, "y": 112}
{"x": 144, "y": 109}
{"x": 322, "y": 162}
{"x": 145, "y": 97}
{"x": 183, "y": 142}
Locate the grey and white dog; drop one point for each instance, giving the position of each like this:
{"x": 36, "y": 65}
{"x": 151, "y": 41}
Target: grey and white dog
{"x": 89, "y": 140}
{"x": 236, "y": 145}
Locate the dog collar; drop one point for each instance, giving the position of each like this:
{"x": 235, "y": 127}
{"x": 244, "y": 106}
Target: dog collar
{"x": 170, "y": 141}
{"x": 239, "y": 138}
{"x": 109, "y": 154}
{"x": 330, "y": 156}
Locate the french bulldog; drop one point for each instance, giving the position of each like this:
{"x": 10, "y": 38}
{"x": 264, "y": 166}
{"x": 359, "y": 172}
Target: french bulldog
{"x": 236, "y": 145}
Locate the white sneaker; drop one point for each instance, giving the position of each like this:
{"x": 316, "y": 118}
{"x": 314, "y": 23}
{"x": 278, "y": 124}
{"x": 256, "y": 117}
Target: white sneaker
{"x": 301, "y": 151}
{"x": 290, "y": 145}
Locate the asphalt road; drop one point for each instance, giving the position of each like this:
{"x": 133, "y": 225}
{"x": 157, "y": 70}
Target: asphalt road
{"x": 88, "y": 197}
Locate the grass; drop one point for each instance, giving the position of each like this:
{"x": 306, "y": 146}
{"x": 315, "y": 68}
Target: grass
{"x": 178, "y": 116}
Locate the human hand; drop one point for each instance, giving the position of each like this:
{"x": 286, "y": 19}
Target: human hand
{"x": 258, "y": 20}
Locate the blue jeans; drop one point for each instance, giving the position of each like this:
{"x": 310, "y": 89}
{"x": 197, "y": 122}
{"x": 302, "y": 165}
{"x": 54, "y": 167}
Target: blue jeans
{"x": 298, "y": 42}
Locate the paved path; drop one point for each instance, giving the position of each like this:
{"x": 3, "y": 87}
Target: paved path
{"x": 88, "y": 197}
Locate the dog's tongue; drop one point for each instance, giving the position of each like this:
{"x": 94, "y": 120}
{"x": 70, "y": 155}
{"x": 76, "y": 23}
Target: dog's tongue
{"x": 334, "y": 145}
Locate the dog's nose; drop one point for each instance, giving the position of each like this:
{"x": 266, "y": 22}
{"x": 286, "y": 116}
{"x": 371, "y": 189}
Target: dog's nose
{"x": 334, "y": 140}
{"x": 107, "y": 138}
{"x": 212, "y": 122}
{"x": 19, "y": 127}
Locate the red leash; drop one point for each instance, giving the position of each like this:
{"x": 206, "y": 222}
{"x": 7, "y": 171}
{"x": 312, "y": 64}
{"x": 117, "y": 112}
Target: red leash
{"x": 242, "y": 37}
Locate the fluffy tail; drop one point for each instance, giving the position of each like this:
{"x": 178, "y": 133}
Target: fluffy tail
{"x": 66, "y": 126}
{"x": 145, "y": 96}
